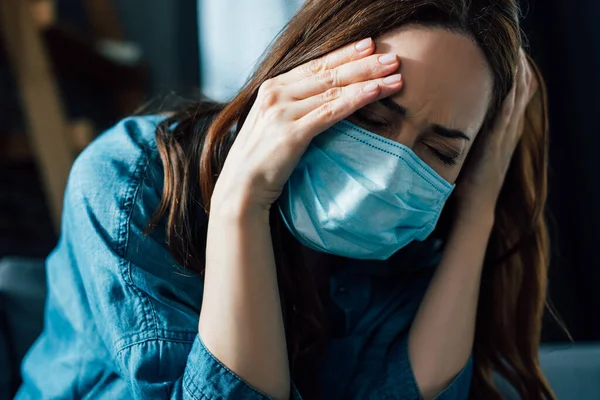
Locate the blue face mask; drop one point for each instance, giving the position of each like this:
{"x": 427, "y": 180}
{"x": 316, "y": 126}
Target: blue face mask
{"x": 359, "y": 195}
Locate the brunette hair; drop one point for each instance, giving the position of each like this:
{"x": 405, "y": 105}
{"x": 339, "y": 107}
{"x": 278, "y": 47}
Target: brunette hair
{"x": 194, "y": 143}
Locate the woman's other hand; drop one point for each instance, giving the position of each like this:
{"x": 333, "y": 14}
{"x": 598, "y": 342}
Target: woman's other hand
{"x": 482, "y": 179}
{"x": 290, "y": 110}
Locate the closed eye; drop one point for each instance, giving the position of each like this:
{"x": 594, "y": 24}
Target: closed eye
{"x": 438, "y": 129}
{"x": 370, "y": 118}
{"x": 450, "y": 158}
{"x": 437, "y": 144}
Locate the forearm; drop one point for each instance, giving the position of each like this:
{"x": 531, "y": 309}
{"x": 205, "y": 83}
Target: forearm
{"x": 241, "y": 321}
{"x": 441, "y": 337}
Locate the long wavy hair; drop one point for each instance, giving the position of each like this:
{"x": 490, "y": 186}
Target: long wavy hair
{"x": 194, "y": 143}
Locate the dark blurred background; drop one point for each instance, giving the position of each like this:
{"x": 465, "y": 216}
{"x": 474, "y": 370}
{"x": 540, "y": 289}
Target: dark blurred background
{"x": 71, "y": 68}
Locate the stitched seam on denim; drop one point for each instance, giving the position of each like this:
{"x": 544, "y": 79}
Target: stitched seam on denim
{"x": 230, "y": 372}
{"x": 190, "y": 382}
{"x": 146, "y": 303}
{"x": 185, "y": 384}
{"x": 164, "y": 334}
{"x": 176, "y": 331}
{"x": 142, "y": 341}
{"x": 436, "y": 178}
{"x": 126, "y": 340}
{"x": 128, "y": 205}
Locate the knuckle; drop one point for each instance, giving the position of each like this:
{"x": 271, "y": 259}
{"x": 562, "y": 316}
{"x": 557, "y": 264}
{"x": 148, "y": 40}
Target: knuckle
{"x": 524, "y": 77}
{"x": 268, "y": 84}
{"x": 332, "y": 94}
{"x": 507, "y": 112}
{"x": 314, "y": 66}
{"x": 269, "y": 96}
{"x": 328, "y": 77}
{"x": 326, "y": 112}
{"x": 372, "y": 65}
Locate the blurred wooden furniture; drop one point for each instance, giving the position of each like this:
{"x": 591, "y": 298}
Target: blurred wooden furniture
{"x": 39, "y": 51}
{"x": 42, "y": 105}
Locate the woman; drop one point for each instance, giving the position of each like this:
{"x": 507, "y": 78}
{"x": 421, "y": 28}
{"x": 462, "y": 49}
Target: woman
{"x": 316, "y": 273}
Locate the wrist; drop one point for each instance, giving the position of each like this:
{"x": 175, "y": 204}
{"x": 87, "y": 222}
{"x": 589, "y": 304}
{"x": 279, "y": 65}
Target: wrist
{"x": 478, "y": 215}
{"x": 238, "y": 208}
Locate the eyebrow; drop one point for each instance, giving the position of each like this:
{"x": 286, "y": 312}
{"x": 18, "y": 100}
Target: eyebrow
{"x": 436, "y": 128}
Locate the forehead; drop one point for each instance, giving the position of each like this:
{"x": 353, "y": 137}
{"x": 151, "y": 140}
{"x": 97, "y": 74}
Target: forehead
{"x": 447, "y": 80}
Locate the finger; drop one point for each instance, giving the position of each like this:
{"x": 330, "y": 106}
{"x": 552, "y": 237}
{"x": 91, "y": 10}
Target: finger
{"x": 506, "y": 126}
{"x": 514, "y": 127}
{"x": 506, "y": 111}
{"x": 387, "y": 85}
{"x": 522, "y": 93}
{"x": 532, "y": 78}
{"x": 356, "y": 96}
{"x": 351, "y": 52}
{"x": 372, "y": 67}
{"x": 509, "y": 102}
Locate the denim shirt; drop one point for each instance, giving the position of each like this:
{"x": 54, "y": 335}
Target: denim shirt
{"x": 121, "y": 318}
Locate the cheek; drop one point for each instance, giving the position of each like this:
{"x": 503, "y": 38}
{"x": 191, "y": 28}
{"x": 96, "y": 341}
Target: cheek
{"x": 452, "y": 173}
{"x": 449, "y": 173}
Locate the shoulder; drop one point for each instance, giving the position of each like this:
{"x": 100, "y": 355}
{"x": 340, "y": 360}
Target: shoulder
{"x": 112, "y": 163}
{"x": 106, "y": 177}
{"x": 114, "y": 188}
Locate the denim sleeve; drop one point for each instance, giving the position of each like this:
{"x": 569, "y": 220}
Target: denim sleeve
{"x": 130, "y": 305}
{"x": 399, "y": 380}
{"x": 204, "y": 377}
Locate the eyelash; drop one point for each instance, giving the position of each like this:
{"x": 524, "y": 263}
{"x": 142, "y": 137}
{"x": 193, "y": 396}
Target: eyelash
{"x": 447, "y": 160}
{"x": 369, "y": 118}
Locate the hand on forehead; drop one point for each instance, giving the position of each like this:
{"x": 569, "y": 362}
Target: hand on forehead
{"x": 447, "y": 81}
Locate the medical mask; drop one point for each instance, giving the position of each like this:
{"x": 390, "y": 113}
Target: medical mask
{"x": 359, "y": 195}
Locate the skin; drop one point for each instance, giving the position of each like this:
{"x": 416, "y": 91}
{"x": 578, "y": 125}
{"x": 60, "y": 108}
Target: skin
{"x": 447, "y": 83}
{"x": 436, "y": 66}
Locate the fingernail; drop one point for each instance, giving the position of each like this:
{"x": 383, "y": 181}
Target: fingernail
{"x": 388, "y": 58}
{"x": 392, "y": 79}
{"x": 371, "y": 87}
{"x": 363, "y": 44}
